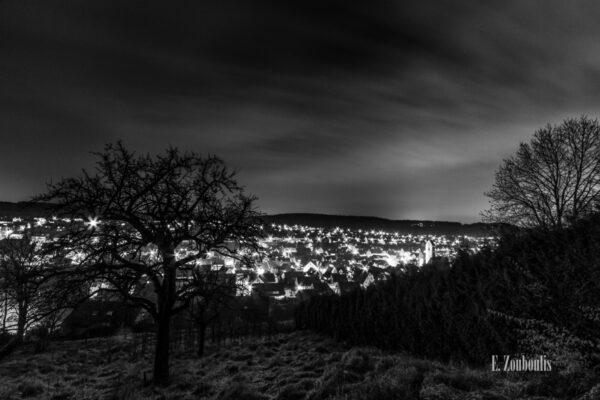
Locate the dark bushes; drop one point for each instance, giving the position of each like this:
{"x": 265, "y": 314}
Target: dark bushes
{"x": 534, "y": 293}
{"x": 431, "y": 312}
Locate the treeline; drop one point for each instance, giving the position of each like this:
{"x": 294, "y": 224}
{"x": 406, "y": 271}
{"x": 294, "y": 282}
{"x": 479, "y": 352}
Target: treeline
{"x": 536, "y": 292}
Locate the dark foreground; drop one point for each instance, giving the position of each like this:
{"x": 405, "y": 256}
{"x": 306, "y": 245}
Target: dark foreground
{"x": 299, "y": 365}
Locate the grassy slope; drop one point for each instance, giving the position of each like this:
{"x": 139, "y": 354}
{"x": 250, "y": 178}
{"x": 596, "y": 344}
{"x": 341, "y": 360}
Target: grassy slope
{"x": 291, "y": 366}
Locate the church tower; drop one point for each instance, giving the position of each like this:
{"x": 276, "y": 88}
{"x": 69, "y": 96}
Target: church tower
{"x": 429, "y": 251}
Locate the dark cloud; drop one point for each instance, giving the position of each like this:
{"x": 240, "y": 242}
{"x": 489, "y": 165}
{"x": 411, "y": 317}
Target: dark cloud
{"x": 397, "y": 109}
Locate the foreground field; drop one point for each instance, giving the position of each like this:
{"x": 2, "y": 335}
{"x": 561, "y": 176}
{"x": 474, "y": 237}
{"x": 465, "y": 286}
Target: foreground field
{"x": 300, "y": 365}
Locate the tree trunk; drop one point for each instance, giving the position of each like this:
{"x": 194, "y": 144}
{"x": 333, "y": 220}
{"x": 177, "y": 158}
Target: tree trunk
{"x": 18, "y": 339}
{"x": 201, "y": 337}
{"x": 5, "y": 314}
{"x": 21, "y": 322}
{"x": 166, "y": 300}
{"x": 161, "y": 353}
{"x": 201, "y": 326}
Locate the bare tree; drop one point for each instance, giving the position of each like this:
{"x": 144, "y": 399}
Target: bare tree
{"x": 552, "y": 180}
{"x": 34, "y": 288}
{"x": 141, "y": 221}
{"x": 217, "y": 290}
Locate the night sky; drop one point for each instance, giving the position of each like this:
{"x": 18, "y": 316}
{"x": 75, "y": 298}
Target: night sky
{"x": 398, "y": 109}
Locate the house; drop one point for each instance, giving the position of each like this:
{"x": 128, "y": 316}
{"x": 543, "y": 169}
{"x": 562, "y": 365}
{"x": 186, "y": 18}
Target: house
{"x": 267, "y": 277}
{"x": 285, "y": 267}
{"x": 313, "y": 283}
{"x": 321, "y": 288}
{"x": 327, "y": 272}
{"x": 310, "y": 268}
{"x": 344, "y": 287}
{"x": 292, "y": 276}
{"x": 274, "y": 289}
{"x": 336, "y": 278}
{"x": 307, "y": 282}
{"x": 365, "y": 279}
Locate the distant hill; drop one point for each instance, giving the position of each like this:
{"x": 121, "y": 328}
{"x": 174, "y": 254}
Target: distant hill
{"x": 27, "y": 209}
{"x": 368, "y": 223}
{"x": 24, "y": 209}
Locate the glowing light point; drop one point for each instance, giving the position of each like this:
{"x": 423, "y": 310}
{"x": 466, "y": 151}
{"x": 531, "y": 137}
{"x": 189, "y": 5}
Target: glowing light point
{"x": 93, "y": 222}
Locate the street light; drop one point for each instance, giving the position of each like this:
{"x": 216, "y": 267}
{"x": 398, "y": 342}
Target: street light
{"x": 92, "y": 222}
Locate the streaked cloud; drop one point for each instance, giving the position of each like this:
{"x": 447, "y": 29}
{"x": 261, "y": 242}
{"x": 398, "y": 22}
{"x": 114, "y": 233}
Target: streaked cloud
{"x": 394, "y": 109}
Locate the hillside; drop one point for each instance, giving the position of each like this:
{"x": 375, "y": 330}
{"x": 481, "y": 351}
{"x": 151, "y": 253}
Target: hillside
{"x": 295, "y": 366}
{"x": 368, "y": 223}
{"x": 24, "y": 209}
{"x": 31, "y": 209}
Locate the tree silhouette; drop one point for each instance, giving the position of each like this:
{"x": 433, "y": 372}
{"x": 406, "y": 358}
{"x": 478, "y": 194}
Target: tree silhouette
{"x": 33, "y": 287}
{"x": 552, "y": 180}
{"x": 142, "y": 222}
{"x": 218, "y": 289}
